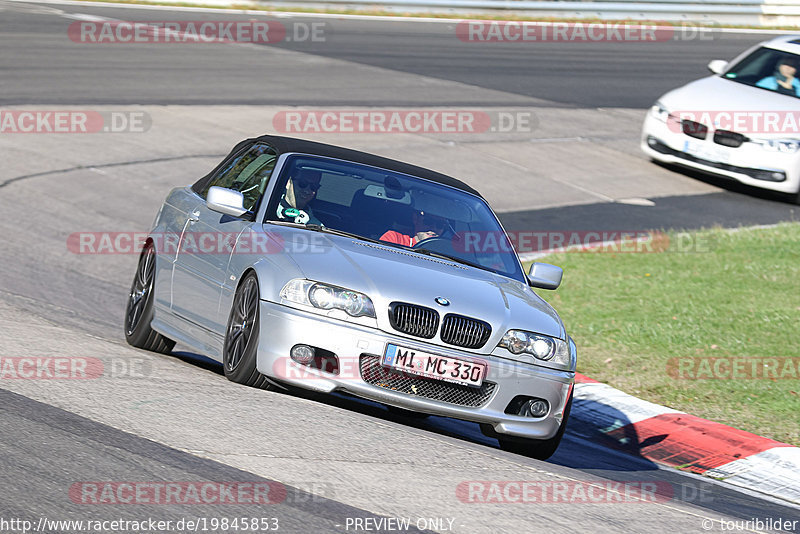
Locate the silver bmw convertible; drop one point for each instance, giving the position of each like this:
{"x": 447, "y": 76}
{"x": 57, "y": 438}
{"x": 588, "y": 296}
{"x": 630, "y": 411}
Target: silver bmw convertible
{"x": 297, "y": 263}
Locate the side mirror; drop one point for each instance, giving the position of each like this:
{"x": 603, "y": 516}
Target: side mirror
{"x": 717, "y": 66}
{"x": 545, "y": 276}
{"x": 225, "y": 201}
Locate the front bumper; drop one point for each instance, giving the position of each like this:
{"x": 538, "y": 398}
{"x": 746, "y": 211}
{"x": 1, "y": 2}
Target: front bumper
{"x": 749, "y": 163}
{"x": 283, "y": 327}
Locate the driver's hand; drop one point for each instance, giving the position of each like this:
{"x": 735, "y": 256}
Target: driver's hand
{"x": 421, "y": 236}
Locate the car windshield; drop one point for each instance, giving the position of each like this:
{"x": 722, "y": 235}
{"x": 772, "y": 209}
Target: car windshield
{"x": 394, "y": 209}
{"x": 768, "y": 69}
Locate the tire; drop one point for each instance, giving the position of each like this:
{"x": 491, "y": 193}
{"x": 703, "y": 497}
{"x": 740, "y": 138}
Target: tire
{"x": 239, "y": 354}
{"x": 541, "y": 449}
{"x": 139, "y": 310}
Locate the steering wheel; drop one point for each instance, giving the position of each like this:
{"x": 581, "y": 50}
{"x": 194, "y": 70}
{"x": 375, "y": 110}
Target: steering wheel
{"x": 425, "y": 243}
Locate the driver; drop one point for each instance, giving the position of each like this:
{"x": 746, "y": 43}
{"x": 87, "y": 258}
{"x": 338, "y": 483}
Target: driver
{"x": 425, "y": 227}
{"x": 300, "y": 190}
{"x": 785, "y": 79}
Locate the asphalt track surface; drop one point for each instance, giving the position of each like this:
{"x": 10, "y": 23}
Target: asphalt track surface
{"x": 605, "y": 74}
{"x": 179, "y": 419}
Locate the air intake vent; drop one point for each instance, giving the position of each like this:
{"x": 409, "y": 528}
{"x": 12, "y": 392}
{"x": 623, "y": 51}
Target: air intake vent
{"x": 731, "y": 139}
{"x": 694, "y": 129}
{"x": 373, "y": 373}
{"x": 413, "y": 320}
{"x": 465, "y": 331}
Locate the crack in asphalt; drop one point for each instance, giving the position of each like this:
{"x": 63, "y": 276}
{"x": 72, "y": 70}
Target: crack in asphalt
{"x": 105, "y": 166}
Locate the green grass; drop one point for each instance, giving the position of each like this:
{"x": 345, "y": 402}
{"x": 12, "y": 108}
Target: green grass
{"x": 738, "y": 296}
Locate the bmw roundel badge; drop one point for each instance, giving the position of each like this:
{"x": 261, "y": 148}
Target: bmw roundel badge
{"x": 441, "y": 301}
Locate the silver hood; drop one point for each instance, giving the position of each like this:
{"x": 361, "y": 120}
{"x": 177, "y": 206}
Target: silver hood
{"x": 388, "y": 274}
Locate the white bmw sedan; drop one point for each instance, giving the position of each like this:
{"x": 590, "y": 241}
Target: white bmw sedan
{"x": 743, "y": 122}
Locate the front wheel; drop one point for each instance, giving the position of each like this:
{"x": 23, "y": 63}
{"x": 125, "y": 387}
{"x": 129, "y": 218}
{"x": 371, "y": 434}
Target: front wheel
{"x": 241, "y": 338}
{"x": 541, "y": 449}
{"x": 139, "y": 310}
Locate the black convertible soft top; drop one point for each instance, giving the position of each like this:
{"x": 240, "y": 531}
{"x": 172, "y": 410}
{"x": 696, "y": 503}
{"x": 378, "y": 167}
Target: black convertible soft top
{"x": 290, "y": 144}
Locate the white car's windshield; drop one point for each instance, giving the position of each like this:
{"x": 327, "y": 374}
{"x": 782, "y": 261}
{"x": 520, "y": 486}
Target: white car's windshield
{"x": 394, "y": 209}
{"x": 769, "y": 69}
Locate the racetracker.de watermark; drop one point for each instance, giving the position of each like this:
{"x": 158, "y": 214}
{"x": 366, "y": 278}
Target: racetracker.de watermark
{"x": 733, "y": 368}
{"x": 470, "y": 243}
{"x": 562, "y": 492}
{"x": 598, "y": 241}
{"x": 72, "y": 368}
{"x": 167, "y": 493}
{"x": 196, "y": 243}
{"x": 197, "y": 32}
{"x": 495, "y": 31}
{"x": 15, "y": 121}
{"x": 741, "y": 121}
{"x": 399, "y": 121}
{"x": 412, "y": 376}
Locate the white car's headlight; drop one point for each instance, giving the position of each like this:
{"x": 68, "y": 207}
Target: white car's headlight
{"x": 659, "y": 112}
{"x": 788, "y": 146}
{"x": 327, "y": 297}
{"x": 541, "y": 347}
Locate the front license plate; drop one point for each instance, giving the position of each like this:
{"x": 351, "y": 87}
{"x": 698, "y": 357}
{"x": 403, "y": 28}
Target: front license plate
{"x": 706, "y": 151}
{"x": 436, "y": 366}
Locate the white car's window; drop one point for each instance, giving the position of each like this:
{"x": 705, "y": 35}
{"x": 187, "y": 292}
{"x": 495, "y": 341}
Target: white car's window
{"x": 393, "y": 208}
{"x": 769, "y": 69}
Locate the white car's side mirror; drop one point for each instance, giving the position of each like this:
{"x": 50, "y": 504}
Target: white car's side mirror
{"x": 545, "y": 276}
{"x": 717, "y": 66}
{"x": 225, "y": 201}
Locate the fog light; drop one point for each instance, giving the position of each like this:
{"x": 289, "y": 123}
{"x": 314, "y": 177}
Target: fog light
{"x": 770, "y": 176}
{"x": 534, "y": 408}
{"x": 302, "y": 354}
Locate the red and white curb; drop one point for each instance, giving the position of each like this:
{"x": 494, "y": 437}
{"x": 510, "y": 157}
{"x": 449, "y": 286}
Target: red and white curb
{"x": 688, "y": 443}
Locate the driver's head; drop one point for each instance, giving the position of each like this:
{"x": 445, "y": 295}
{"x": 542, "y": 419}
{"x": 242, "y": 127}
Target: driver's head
{"x": 302, "y": 187}
{"x": 427, "y": 224}
{"x": 787, "y": 66}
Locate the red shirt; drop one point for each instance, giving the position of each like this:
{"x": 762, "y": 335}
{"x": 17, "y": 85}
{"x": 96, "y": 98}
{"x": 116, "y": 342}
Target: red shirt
{"x": 393, "y": 236}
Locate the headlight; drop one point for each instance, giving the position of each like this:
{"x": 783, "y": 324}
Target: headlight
{"x": 325, "y": 297}
{"x": 658, "y": 111}
{"x": 541, "y": 347}
{"x": 787, "y": 146}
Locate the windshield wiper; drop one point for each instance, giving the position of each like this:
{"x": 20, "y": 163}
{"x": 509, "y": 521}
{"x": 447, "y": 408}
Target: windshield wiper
{"x": 456, "y": 259}
{"x": 325, "y": 230}
{"x": 335, "y": 231}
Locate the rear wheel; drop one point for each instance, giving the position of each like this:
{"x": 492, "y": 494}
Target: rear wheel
{"x": 541, "y": 449}
{"x": 241, "y": 338}
{"x": 139, "y": 310}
